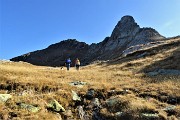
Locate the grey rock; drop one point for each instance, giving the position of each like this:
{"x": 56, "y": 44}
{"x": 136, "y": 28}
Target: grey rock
{"x": 81, "y": 113}
{"x": 112, "y": 102}
{"x": 29, "y": 107}
{"x": 96, "y": 103}
{"x": 55, "y": 106}
{"x": 169, "y": 108}
{"x": 90, "y": 94}
{"x": 118, "y": 114}
{"x": 150, "y": 116}
{"x": 5, "y": 97}
{"x": 78, "y": 84}
{"x": 75, "y": 97}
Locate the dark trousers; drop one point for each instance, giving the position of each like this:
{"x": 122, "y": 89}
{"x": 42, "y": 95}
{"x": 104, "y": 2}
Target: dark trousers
{"x": 77, "y": 67}
{"x": 68, "y": 66}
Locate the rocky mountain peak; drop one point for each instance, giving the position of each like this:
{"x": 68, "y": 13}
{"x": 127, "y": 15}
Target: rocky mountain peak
{"x": 127, "y": 18}
{"x": 126, "y": 34}
{"x": 125, "y": 27}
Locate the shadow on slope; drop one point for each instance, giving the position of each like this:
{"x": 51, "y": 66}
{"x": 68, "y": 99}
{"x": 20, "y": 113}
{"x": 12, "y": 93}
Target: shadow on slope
{"x": 171, "y": 62}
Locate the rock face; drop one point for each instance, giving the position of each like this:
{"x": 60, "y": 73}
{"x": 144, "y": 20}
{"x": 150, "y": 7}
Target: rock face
{"x": 126, "y": 33}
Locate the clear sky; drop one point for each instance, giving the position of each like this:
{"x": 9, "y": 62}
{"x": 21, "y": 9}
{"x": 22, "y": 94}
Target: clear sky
{"x": 29, "y": 25}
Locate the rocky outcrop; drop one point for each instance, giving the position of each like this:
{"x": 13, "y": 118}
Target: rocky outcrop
{"x": 126, "y": 33}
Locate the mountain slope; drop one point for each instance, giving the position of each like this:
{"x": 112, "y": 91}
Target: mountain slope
{"x": 126, "y": 33}
{"x": 55, "y": 54}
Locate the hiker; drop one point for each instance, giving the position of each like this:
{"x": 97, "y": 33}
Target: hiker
{"x": 68, "y": 63}
{"x": 77, "y": 63}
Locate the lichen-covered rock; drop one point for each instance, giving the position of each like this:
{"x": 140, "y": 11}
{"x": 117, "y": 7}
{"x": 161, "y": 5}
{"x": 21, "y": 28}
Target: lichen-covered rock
{"x": 75, "y": 97}
{"x": 5, "y": 97}
{"x": 55, "y": 106}
{"x": 29, "y": 107}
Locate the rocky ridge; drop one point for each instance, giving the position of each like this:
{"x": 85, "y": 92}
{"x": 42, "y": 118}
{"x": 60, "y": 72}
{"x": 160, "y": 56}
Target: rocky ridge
{"x": 126, "y": 33}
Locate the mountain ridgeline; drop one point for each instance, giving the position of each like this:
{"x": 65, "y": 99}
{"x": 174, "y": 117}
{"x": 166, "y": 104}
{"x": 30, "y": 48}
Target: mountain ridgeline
{"x": 127, "y": 33}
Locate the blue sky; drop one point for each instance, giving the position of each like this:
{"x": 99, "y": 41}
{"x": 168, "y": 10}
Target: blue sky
{"x": 29, "y": 25}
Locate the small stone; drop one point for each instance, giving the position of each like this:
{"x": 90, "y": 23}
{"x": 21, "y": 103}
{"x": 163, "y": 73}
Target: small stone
{"x": 81, "y": 112}
{"x": 112, "y": 102}
{"x": 169, "y": 108}
{"x": 90, "y": 94}
{"x": 118, "y": 114}
{"x": 96, "y": 102}
{"x": 5, "y": 97}
{"x": 75, "y": 96}
{"x": 150, "y": 116}
{"x": 78, "y": 84}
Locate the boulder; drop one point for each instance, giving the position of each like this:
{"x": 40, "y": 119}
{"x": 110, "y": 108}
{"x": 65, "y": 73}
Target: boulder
{"x": 75, "y": 97}
{"x": 55, "y": 106}
{"x": 28, "y": 107}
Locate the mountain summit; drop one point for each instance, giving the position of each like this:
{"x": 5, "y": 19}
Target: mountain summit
{"x": 126, "y": 27}
{"x": 127, "y": 33}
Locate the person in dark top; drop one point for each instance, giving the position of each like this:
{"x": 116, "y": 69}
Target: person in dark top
{"x": 68, "y": 63}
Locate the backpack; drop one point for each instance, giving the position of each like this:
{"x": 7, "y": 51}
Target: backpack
{"x": 77, "y": 62}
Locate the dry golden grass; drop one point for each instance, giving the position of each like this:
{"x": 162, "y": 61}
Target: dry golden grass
{"x": 38, "y": 84}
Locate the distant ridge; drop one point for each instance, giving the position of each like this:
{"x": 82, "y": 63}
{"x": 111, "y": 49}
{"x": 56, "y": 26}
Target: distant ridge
{"x": 126, "y": 33}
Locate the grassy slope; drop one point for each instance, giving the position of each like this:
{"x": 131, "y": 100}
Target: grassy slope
{"x": 43, "y": 83}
